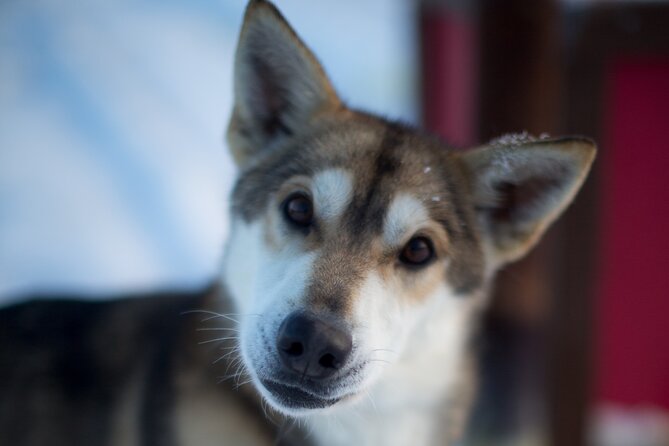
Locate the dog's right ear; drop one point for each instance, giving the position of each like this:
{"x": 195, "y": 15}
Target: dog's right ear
{"x": 279, "y": 85}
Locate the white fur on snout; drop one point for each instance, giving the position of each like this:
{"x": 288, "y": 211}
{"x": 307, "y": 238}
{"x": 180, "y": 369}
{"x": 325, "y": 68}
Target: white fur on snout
{"x": 266, "y": 284}
{"x": 405, "y": 214}
{"x": 332, "y": 191}
{"x": 259, "y": 277}
{"x": 242, "y": 262}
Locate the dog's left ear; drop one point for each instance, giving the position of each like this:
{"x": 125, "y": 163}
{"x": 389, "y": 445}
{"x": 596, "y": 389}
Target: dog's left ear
{"x": 519, "y": 189}
{"x": 280, "y": 86}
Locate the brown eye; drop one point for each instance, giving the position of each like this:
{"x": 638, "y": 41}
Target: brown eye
{"x": 299, "y": 209}
{"x": 418, "y": 251}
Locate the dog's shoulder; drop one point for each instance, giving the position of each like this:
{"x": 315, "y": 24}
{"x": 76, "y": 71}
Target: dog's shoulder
{"x": 133, "y": 370}
{"x": 66, "y": 363}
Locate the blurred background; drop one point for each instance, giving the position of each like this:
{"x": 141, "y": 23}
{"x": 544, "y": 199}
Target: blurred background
{"x": 114, "y": 174}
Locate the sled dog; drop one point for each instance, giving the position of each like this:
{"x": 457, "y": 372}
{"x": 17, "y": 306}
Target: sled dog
{"x": 359, "y": 260}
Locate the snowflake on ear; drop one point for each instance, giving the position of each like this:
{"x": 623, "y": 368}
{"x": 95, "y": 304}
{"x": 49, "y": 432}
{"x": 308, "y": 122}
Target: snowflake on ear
{"x": 516, "y": 139}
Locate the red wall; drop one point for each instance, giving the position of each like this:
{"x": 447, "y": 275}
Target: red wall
{"x": 633, "y": 300}
{"x": 449, "y": 46}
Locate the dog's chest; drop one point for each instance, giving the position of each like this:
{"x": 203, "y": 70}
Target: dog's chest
{"x": 368, "y": 427}
{"x": 389, "y": 415}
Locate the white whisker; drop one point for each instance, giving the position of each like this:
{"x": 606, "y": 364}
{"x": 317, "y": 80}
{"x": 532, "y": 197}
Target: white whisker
{"x": 380, "y": 360}
{"x": 384, "y": 350}
{"x": 371, "y": 400}
{"x": 242, "y": 383}
{"x": 213, "y": 315}
{"x": 234, "y": 350}
{"x": 215, "y": 340}
{"x": 215, "y": 329}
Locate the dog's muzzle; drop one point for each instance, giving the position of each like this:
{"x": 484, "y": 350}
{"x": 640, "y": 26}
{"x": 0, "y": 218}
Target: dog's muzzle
{"x": 312, "y": 349}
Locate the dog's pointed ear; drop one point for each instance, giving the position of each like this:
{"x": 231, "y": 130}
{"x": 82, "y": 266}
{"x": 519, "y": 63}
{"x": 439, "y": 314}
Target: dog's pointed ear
{"x": 279, "y": 85}
{"x": 520, "y": 188}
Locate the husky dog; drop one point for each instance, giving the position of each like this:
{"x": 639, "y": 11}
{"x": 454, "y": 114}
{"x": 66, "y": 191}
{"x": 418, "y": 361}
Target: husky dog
{"x": 360, "y": 256}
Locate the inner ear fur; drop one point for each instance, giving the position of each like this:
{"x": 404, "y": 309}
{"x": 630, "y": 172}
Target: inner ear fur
{"x": 519, "y": 190}
{"x": 279, "y": 85}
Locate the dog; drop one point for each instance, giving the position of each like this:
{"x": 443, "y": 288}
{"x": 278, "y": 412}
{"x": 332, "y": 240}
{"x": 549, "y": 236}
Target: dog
{"x": 359, "y": 261}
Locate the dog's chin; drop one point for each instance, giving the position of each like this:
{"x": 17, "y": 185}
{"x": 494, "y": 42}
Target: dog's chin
{"x": 295, "y": 401}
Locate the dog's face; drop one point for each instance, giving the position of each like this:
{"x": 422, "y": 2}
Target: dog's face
{"x": 357, "y": 242}
{"x": 342, "y": 241}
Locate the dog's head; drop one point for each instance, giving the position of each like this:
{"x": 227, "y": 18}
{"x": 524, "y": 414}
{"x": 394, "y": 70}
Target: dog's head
{"x": 356, "y": 241}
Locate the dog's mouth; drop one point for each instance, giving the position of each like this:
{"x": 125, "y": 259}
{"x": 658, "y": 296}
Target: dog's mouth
{"x": 295, "y": 398}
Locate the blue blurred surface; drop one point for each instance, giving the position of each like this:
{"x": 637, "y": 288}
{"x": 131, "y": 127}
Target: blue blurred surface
{"x": 113, "y": 171}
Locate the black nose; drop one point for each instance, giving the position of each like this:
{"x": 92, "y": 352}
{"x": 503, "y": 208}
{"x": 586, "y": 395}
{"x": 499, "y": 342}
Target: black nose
{"x": 311, "y": 346}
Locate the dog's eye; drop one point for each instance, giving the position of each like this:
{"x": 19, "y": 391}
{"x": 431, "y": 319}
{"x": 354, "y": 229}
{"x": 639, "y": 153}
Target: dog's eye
{"x": 418, "y": 251}
{"x": 298, "y": 209}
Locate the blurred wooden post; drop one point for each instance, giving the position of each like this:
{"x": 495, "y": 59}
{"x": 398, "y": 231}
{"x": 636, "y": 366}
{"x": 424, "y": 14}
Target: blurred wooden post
{"x": 519, "y": 78}
{"x": 521, "y": 89}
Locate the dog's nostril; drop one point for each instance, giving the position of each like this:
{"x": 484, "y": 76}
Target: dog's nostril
{"x": 312, "y": 346}
{"x": 329, "y": 361}
{"x": 295, "y": 349}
